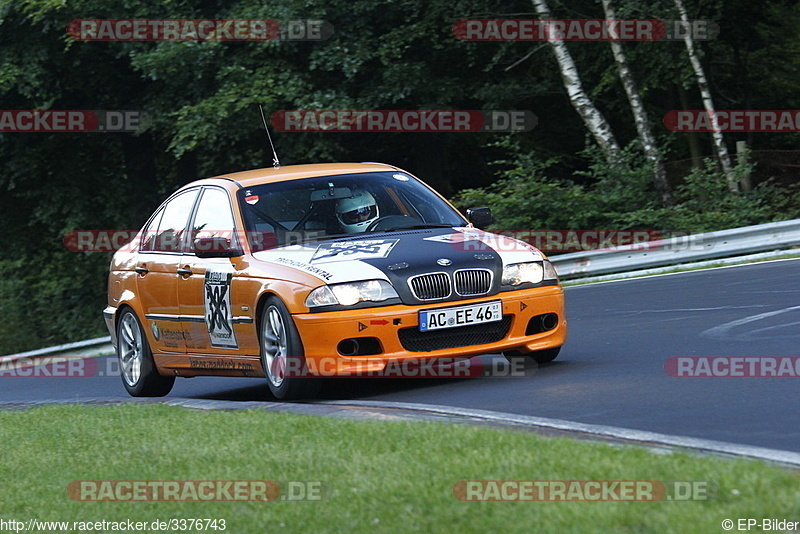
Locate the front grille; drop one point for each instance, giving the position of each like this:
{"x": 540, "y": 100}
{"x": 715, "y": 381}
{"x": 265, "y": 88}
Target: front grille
{"x": 470, "y": 282}
{"x": 431, "y": 286}
{"x": 449, "y": 338}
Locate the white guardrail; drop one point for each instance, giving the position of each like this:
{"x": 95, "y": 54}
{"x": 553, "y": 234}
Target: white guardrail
{"x": 674, "y": 251}
{"x": 679, "y": 250}
{"x": 90, "y": 347}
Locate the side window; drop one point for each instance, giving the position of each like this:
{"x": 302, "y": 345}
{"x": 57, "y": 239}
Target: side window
{"x": 171, "y": 227}
{"x": 214, "y": 217}
{"x": 151, "y": 232}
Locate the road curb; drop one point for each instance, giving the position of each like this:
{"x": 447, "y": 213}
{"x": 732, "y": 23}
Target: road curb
{"x": 641, "y": 437}
{"x": 392, "y": 411}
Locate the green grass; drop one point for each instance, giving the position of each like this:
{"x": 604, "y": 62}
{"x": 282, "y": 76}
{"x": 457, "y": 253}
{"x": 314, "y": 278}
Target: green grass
{"x": 379, "y": 476}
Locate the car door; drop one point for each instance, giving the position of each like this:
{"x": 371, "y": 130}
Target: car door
{"x": 216, "y": 314}
{"x": 158, "y": 263}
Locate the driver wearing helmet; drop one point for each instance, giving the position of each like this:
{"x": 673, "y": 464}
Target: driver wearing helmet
{"x": 357, "y": 212}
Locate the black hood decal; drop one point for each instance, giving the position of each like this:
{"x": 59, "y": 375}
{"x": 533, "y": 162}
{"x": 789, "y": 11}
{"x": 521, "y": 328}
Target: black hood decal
{"x": 398, "y": 256}
{"x": 423, "y": 253}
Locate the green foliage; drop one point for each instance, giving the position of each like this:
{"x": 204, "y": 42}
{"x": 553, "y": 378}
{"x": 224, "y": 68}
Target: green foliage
{"x": 523, "y": 197}
{"x": 51, "y": 299}
{"x": 620, "y": 197}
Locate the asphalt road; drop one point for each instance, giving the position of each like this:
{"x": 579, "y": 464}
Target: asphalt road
{"x": 611, "y": 371}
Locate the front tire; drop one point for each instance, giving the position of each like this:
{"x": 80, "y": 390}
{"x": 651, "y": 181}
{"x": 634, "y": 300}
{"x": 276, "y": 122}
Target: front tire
{"x": 137, "y": 367}
{"x": 282, "y": 355}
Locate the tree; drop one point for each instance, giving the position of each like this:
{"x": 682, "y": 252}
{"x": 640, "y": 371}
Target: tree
{"x": 594, "y": 120}
{"x": 708, "y": 102}
{"x": 649, "y": 144}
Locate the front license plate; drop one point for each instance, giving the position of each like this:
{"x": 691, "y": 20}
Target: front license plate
{"x": 485, "y": 312}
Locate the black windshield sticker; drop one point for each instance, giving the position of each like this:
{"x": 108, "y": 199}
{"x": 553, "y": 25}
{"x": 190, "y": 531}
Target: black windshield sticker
{"x": 362, "y": 249}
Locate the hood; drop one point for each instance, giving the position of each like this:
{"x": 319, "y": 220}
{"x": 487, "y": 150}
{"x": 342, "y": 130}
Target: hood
{"x": 398, "y": 256}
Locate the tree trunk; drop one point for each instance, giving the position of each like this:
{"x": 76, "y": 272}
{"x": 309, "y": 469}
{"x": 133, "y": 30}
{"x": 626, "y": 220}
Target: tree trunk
{"x": 741, "y": 71}
{"x": 649, "y": 144}
{"x": 708, "y": 103}
{"x": 695, "y": 150}
{"x": 592, "y": 118}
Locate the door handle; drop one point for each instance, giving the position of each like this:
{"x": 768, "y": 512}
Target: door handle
{"x": 141, "y": 269}
{"x": 184, "y": 272}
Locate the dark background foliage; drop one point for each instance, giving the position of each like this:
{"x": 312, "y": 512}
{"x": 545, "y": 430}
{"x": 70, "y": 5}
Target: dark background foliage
{"x": 202, "y": 99}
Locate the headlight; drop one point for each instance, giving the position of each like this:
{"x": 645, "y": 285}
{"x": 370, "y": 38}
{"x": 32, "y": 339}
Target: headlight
{"x": 351, "y": 293}
{"x": 550, "y": 271}
{"x": 523, "y": 273}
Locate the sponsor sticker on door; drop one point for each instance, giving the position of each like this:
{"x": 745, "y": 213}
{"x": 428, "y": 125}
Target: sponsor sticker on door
{"x": 219, "y": 315}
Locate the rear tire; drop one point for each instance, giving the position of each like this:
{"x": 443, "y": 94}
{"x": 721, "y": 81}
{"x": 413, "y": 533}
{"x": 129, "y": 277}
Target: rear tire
{"x": 137, "y": 367}
{"x": 282, "y": 355}
{"x": 538, "y": 356}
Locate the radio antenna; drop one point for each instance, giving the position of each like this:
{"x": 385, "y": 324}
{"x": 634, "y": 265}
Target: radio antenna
{"x": 275, "y": 162}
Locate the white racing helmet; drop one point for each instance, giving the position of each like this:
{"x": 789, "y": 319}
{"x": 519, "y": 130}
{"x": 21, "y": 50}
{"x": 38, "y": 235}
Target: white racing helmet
{"x": 357, "y": 212}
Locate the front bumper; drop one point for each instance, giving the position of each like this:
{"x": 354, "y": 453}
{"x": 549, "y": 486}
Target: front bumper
{"x": 322, "y": 333}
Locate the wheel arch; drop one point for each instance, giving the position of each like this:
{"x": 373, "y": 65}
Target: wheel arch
{"x": 129, "y": 305}
{"x": 280, "y": 289}
{"x": 259, "y": 315}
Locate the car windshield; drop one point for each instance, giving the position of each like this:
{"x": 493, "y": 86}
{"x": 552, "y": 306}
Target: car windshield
{"x": 295, "y": 211}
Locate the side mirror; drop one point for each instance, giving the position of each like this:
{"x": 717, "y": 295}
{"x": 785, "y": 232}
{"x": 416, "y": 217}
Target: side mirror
{"x": 480, "y": 217}
{"x": 214, "y": 247}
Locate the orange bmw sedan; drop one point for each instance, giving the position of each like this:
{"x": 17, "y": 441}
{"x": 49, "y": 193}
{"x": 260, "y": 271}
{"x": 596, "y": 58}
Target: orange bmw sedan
{"x": 300, "y": 272}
